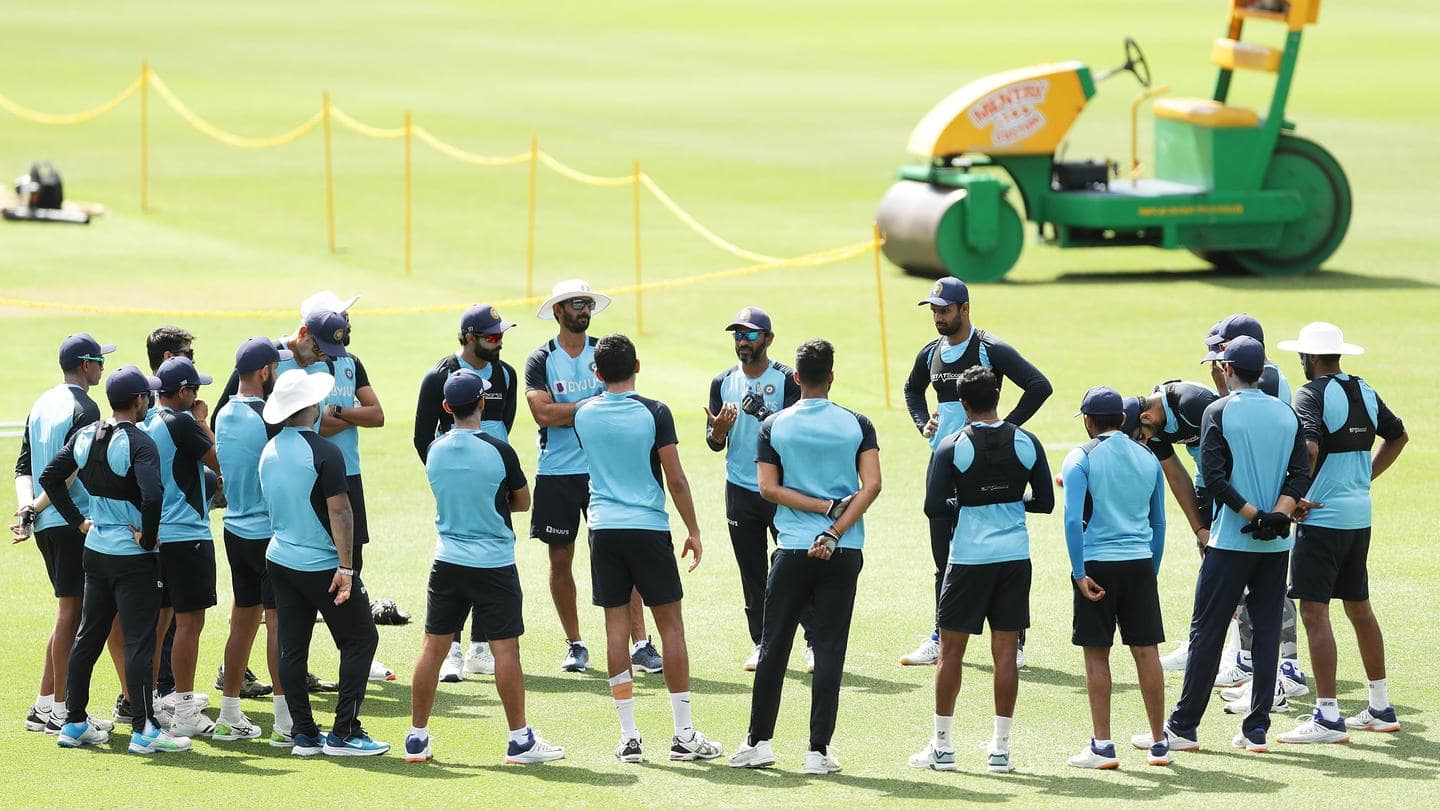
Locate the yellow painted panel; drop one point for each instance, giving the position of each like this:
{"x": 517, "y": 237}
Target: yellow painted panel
{"x": 1019, "y": 112}
{"x": 1205, "y": 113}
{"x": 1232, "y": 54}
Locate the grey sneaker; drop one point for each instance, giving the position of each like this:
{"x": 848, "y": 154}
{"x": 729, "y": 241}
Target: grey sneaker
{"x": 647, "y": 659}
{"x": 577, "y": 658}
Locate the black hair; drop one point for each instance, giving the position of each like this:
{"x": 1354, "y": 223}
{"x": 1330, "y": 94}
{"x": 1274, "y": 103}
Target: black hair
{"x": 1246, "y": 375}
{"x": 466, "y": 411}
{"x": 165, "y": 339}
{"x": 1108, "y": 421}
{"x": 814, "y": 360}
{"x": 124, "y": 403}
{"x": 615, "y": 358}
{"x": 979, "y": 389}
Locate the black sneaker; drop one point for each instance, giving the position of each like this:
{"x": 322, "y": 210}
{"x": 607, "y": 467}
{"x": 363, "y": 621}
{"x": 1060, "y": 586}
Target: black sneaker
{"x": 35, "y": 720}
{"x": 630, "y": 751}
{"x": 124, "y": 715}
{"x": 314, "y": 684}
{"x": 250, "y": 688}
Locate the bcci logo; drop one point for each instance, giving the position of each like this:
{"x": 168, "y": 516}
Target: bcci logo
{"x": 937, "y": 289}
{"x": 770, "y": 389}
{"x": 349, "y": 373}
{"x": 339, "y": 335}
{"x": 493, "y": 314}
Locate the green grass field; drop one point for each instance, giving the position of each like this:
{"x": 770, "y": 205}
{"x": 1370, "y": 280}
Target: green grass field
{"x": 778, "y": 125}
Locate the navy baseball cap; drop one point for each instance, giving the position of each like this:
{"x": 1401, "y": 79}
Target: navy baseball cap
{"x": 257, "y": 353}
{"x": 1212, "y": 342}
{"x": 80, "y": 347}
{"x": 947, "y": 291}
{"x": 328, "y": 328}
{"x": 1132, "y": 416}
{"x": 178, "y": 372}
{"x": 1244, "y": 352}
{"x": 483, "y": 319}
{"x": 464, "y": 388}
{"x": 750, "y": 318}
{"x": 1234, "y": 326}
{"x": 129, "y": 382}
{"x": 1102, "y": 400}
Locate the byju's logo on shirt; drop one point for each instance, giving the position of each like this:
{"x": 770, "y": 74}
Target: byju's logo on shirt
{"x": 576, "y": 386}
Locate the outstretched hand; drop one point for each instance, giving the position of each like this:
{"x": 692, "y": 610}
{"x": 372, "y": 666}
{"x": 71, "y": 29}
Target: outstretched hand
{"x": 692, "y": 546}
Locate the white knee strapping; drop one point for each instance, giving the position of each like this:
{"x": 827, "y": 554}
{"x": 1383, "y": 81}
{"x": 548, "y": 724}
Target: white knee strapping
{"x": 623, "y": 677}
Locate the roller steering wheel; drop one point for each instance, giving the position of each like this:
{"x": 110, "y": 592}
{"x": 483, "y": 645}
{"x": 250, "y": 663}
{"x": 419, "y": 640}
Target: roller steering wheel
{"x": 1135, "y": 62}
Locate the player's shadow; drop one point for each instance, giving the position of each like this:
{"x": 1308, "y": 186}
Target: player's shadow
{"x": 1149, "y": 784}
{"x": 561, "y": 773}
{"x": 851, "y": 680}
{"x": 1407, "y": 755}
{"x": 1051, "y": 677}
{"x": 595, "y": 682}
{"x": 392, "y": 699}
{"x": 783, "y": 779}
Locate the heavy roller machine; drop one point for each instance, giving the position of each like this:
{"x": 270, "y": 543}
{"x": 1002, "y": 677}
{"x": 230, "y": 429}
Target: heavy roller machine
{"x": 1233, "y": 186}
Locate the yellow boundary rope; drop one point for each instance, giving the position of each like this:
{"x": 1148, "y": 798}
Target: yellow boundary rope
{"x": 817, "y": 259}
{"x": 339, "y": 116}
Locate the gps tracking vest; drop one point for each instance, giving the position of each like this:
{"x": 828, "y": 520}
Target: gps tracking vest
{"x": 996, "y": 475}
{"x": 1357, "y": 434}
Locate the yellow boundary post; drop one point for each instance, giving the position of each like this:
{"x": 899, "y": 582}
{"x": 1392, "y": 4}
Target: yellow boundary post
{"x": 880, "y": 308}
{"x": 639, "y": 287}
{"x": 530, "y": 228}
{"x": 409, "y": 132}
{"x": 144, "y": 134}
{"x": 329, "y": 174}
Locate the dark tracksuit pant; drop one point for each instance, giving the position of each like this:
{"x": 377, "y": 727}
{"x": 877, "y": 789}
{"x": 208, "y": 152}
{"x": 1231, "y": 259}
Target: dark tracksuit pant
{"x": 298, "y": 594}
{"x": 798, "y": 582}
{"x": 1224, "y": 578}
{"x": 751, "y": 520}
{"x": 130, "y": 586}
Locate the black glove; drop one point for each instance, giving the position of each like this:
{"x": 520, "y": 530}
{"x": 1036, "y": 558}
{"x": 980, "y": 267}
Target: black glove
{"x": 838, "y": 506}
{"x": 1268, "y": 526}
{"x": 828, "y": 539}
{"x": 953, "y": 504}
{"x": 754, "y": 405}
{"x": 27, "y": 516}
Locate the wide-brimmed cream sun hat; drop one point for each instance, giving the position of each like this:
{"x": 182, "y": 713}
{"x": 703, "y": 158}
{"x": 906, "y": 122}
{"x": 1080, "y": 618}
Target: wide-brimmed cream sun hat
{"x": 294, "y": 390}
{"x": 1320, "y": 338}
{"x": 326, "y": 300}
{"x": 567, "y": 289}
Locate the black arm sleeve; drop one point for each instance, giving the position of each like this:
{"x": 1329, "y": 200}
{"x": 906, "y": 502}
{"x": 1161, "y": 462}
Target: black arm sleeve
{"x": 916, "y": 385}
{"x": 22, "y": 461}
{"x": 664, "y": 426}
{"x": 329, "y": 469}
{"x": 792, "y": 391}
{"x": 536, "y": 377}
{"x": 428, "y": 407}
{"x": 362, "y": 380}
{"x": 232, "y": 386}
{"x": 940, "y": 480}
{"x": 145, "y": 462}
{"x": 514, "y": 476}
{"x": 1387, "y": 425}
{"x": 1162, "y": 449}
{"x": 1042, "y": 486}
{"x": 1035, "y": 388}
{"x": 53, "y": 480}
{"x": 764, "y": 451}
{"x": 1309, "y": 407}
{"x": 868, "y": 441}
{"x": 1215, "y": 459}
{"x": 512, "y": 396}
{"x": 1297, "y": 471}
{"x": 715, "y": 406}
{"x": 189, "y": 438}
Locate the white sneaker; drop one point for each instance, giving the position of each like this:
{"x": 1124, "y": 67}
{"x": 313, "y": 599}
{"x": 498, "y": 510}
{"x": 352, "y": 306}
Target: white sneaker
{"x": 758, "y": 755}
{"x": 923, "y": 656}
{"x": 1233, "y": 693}
{"x": 1176, "y": 659}
{"x": 1255, "y": 744}
{"x": 1233, "y": 674}
{"x": 480, "y": 661}
{"x": 242, "y": 729}
{"x": 380, "y": 672}
{"x": 1316, "y": 730}
{"x": 1290, "y": 687}
{"x": 194, "y": 725}
{"x": 630, "y": 751}
{"x": 1177, "y": 742}
{"x": 539, "y": 751}
{"x": 936, "y": 759}
{"x": 1019, "y": 657}
{"x": 74, "y": 735}
{"x": 810, "y": 660}
{"x": 1100, "y": 759}
{"x": 1242, "y": 705}
{"x": 753, "y": 661}
{"x": 819, "y": 763}
{"x": 1383, "y": 720}
{"x": 697, "y": 747}
{"x": 998, "y": 762}
{"x": 453, "y": 668}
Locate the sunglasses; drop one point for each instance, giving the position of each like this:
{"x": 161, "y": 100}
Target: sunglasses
{"x": 751, "y": 335}
{"x": 194, "y": 388}
{"x": 495, "y": 338}
{"x": 187, "y": 353}
{"x": 580, "y": 304}
{"x": 100, "y": 361}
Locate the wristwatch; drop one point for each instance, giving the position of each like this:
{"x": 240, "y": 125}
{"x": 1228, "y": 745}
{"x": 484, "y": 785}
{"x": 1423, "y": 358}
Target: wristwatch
{"x": 346, "y": 572}
{"x": 335, "y": 411}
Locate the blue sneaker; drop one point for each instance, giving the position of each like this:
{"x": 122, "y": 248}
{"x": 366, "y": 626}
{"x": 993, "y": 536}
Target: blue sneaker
{"x": 157, "y": 741}
{"x": 577, "y": 658}
{"x": 356, "y": 745}
{"x": 74, "y": 735}
{"x": 534, "y": 750}
{"x": 417, "y": 748}
{"x": 647, "y": 659}
{"x": 306, "y": 745}
{"x": 1371, "y": 719}
{"x": 1096, "y": 757}
{"x": 1252, "y": 741}
{"x": 1317, "y": 729}
{"x": 1291, "y": 681}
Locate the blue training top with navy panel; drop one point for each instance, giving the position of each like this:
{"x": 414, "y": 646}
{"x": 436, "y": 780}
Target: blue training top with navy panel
{"x": 53, "y": 419}
{"x": 995, "y": 532}
{"x": 181, "y": 442}
{"x": 1342, "y": 479}
{"x": 1114, "y": 503}
{"x": 622, "y": 435}
{"x": 471, "y": 475}
{"x": 816, "y": 444}
{"x": 567, "y": 379}
{"x": 777, "y": 386}
{"x": 1251, "y": 450}
{"x": 240, "y": 437}
{"x": 299, "y": 472}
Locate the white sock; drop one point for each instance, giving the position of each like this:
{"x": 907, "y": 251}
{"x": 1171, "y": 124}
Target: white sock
{"x": 942, "y": 741}
{"x": 422, "y": 732}
{"x": 1329, "y": 708}
{"x": 1232, "y": 636}
{"x": 521, "y": 736}
{"x": 641, "y": 642}
{"x": 1101, "y": 744}
{"x": 229, "y": 709}
{"x": 626, "y": 709}
{"x": 1001, "y": 741}
{"x": 680, "y": 707}
{"x": 282, "y": 714}
{"x": 454, "y": 648}
{"x": 44, "y": 703}
{"x": 1379, "y": 694}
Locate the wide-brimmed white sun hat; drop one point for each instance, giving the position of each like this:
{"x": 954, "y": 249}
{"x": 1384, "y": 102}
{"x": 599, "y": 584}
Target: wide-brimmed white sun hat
{"x": 294, "y": 390}
{"x": 567, "y": 289}
{"x": 1320, "y": 338}
{"x": 326, "y": 300}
